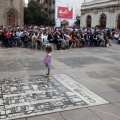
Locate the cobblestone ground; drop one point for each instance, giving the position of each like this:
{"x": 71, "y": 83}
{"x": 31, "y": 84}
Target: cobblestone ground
{"x": 97, "y": 68}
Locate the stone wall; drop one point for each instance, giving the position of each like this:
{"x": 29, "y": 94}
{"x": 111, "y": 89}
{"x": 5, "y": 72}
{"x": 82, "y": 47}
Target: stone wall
{"x": 17, "y": 5}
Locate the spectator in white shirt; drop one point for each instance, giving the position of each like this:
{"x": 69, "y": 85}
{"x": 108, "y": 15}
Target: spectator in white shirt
{"x": 116, "y": 36}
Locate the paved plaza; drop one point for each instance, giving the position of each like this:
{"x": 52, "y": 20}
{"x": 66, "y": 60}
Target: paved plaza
{"x": 84, "y": 84}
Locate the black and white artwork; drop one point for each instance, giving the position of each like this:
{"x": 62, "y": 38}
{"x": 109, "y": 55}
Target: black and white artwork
{"x": 30, "y": 96}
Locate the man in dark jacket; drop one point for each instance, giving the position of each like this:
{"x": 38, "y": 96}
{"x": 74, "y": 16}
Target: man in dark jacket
{"x": 87, "y": 38}
{"x": 58, "y": 40}
{"x": 95, "y": 39}
{"x": 51, "y": 37}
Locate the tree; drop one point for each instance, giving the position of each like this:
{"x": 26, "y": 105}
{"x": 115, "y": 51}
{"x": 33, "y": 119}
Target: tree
{"x": 35, "y": 15}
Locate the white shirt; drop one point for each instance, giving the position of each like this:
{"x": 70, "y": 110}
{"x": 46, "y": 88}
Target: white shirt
{"x": 18, "y": 34}
{"x": 116, "y": 35}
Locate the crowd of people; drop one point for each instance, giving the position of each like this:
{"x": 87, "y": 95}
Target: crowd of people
{"x": 62, "y": 37}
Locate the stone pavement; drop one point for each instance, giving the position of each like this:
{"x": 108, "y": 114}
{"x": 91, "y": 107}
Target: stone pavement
{"x": 98, "y": 69}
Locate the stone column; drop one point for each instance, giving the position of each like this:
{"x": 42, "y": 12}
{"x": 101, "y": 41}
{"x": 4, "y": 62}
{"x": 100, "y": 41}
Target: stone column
{"x": 112, "y": 18}
{"x": 108, "y": 21}
{"x": 83, "y": 20}
{"x": 95, "y": 18}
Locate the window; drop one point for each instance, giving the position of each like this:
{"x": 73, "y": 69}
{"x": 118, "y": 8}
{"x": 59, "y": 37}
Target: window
{"x": 118, "y": 22}
{"x": 103, "y": 19}
{"x": 88, "y": 21}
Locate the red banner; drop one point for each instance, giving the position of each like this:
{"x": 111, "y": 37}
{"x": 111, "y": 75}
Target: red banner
{"x": 65, "y": 12}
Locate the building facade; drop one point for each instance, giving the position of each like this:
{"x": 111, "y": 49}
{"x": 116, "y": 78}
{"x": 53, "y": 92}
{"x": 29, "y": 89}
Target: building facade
{"x": 51, "y": 8}
{"x": 11, "y": 12}
{"x": 74, "y": 5}
{"x": 105, "y": 13}
{"x": 39, "y": 1}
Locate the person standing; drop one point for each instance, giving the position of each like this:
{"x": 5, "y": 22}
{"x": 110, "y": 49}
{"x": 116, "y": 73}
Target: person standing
{"x": 47, "y": 59}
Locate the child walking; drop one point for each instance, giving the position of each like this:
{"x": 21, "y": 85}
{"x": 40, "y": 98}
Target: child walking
{"x": 47, "y": 59}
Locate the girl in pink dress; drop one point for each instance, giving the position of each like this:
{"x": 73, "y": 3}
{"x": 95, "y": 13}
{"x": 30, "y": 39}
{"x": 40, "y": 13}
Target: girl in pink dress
{"x": 47, "y": 59}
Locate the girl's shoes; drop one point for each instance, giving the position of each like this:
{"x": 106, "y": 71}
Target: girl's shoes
{"x": 46, "y": 75}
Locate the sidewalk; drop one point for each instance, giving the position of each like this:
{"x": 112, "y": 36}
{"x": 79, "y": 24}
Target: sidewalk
{"x": 98, "y": 69}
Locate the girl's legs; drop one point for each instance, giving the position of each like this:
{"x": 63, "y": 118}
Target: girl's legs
{"x": 48, "y": 71}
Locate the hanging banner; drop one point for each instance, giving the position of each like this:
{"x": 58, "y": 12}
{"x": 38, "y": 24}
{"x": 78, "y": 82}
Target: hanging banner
{"x": 65, "y": 12}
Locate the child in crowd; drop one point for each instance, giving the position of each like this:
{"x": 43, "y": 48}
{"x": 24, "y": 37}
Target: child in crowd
{"x": 47, "y": 59}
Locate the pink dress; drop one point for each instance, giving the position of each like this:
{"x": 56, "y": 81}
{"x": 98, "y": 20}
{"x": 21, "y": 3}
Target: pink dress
{"x": 47, "y": 60}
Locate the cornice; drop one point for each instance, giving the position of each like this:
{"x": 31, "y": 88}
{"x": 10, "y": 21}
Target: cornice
{"x": 100, "y": 4}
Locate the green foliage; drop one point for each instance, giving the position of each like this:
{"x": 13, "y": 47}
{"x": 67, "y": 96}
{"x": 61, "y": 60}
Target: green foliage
{"x": 35, "y": 15}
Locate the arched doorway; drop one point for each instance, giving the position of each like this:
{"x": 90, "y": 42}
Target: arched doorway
{"x": 12, "y": 17}
{"x": 88, "y": 21}
{"x": 118, "y": 21}
{"x": 103, "y": 20}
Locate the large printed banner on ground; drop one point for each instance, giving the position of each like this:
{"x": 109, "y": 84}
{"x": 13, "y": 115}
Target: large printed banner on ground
{"x": 65, "y": 12}
{"x": 31, "y": 96}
